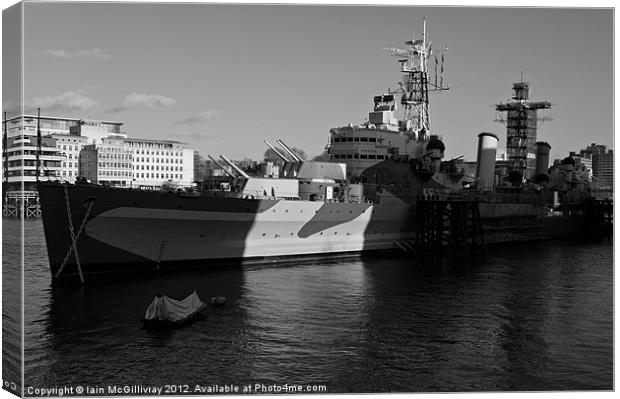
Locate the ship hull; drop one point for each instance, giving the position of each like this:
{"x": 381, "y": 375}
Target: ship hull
{"x": 133, "y": 230}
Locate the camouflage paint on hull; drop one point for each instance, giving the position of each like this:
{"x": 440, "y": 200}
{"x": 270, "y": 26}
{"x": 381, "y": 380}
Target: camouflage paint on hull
{"x": 129, "y": 229}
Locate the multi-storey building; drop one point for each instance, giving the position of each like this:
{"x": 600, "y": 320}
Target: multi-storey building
{"x": 21, "y": 162}
{"x": 95, "y": 131}
{"x": 603, "y": 167}
{"x": 159, "y": 161}
{"x": 583, "y": 165}
{"x": 20, "y": 154}
{"x": 69, "y": 147}
{"x": 97, "y": 150}
{"x": 108, "y": 162}
{"x": 602, "y": 163}
{"x": 60, "y": 146}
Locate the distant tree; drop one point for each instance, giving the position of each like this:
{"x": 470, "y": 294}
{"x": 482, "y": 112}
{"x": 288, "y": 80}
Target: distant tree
{"x": 270, "y": 155}
{"x": 322, "y": 157}
{"x": 200, "y": 167}
{"x": 168, "y": 186}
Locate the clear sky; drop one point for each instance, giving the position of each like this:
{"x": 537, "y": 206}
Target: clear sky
{"x": 225, "y": 77}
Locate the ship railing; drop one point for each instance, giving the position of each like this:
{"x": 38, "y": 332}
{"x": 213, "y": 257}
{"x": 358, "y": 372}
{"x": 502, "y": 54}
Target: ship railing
{"x": 19, "y": 194}
{"x": 489, "y": 196}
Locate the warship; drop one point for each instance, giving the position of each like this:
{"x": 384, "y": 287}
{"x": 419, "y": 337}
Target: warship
{"x": 363, "y": 199}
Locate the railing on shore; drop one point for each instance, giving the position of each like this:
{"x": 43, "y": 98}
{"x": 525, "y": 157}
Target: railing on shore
{"x": 19, "y": 204}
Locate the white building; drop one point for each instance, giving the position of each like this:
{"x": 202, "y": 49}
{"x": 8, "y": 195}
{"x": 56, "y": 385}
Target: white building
{"x": 110, "y": 157}
{"x": 21, "y": 155}
{"x": 108, "y": 162}
{"x": 95, "y": 131}
{"x": 22, "y": 148}
{"x": 159, "y": 161}
{"x": 69, "y": 147}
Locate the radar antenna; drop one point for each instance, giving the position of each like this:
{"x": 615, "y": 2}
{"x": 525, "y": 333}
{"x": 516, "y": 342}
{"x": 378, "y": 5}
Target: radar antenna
{"x": 416, "y": 86}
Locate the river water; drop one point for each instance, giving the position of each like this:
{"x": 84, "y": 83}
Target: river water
{"x": 530, "y": 316}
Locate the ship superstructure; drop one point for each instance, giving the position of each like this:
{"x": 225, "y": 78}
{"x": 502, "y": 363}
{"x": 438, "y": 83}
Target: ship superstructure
{"x": 387, "y": 135}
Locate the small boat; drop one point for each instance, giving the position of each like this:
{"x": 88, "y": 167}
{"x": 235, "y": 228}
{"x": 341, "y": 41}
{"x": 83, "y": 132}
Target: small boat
{"x": 166, "y": 313}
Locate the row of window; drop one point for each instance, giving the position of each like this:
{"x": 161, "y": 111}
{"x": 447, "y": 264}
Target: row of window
{"x": 30, "y": 152}
{"x": 29, "y": 162}
{"x": 30, "y": 173}
{"x": 108, "y": 173}
{"x": 149, "y": 145}
{"x": 117, "y": 165}
{"x": 156, "y": 167}
{"x": 157, "y": 152}
{"x": 159, "y": 160}
{"x": 125, "y": 157}
{"x": 355, "y": 139}
{"x": 112, "y": 149}
{"x": 359, "y": 156}
{"x": 157, "y": 176}
{"x": 121, "y": 173}
{"x": 69, "y": 140}
{"x": 64, "y": 147}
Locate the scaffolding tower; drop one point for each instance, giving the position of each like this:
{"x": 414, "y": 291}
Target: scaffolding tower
{"x": 521, "y": 122}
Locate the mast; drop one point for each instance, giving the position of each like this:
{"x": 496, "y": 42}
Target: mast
{"x": 415, "y": 84}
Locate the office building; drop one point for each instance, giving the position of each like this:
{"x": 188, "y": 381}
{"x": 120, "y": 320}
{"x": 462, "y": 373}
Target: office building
{"x": 159, "y": 161}
{"x": 108, "y": 162}
{"x": 602, "y": 163}
{"x": 60, "y": 145}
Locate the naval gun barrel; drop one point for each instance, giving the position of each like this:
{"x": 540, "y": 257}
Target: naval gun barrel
{"x": 278, "y": 153}
{"x": 221, "y": 166}
{"x": 235, "y": 167}
{"x": 287, "y": 149}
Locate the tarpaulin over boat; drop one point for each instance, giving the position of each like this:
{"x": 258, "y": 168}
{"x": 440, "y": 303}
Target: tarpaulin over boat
{"x": 164, "y": 308}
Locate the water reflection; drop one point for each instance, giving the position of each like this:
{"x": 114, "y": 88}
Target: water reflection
{"x": 529, "y": 316}
{"x": 96, "y": 327}
{"x": 11, "y": 310}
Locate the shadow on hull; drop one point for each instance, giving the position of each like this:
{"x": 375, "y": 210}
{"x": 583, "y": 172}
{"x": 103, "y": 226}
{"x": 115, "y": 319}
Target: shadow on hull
{"x": 141, "y": 232}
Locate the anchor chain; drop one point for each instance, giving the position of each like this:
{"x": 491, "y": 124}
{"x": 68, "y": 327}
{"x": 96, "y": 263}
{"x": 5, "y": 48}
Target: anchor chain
{"x": 74, "y": 236}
